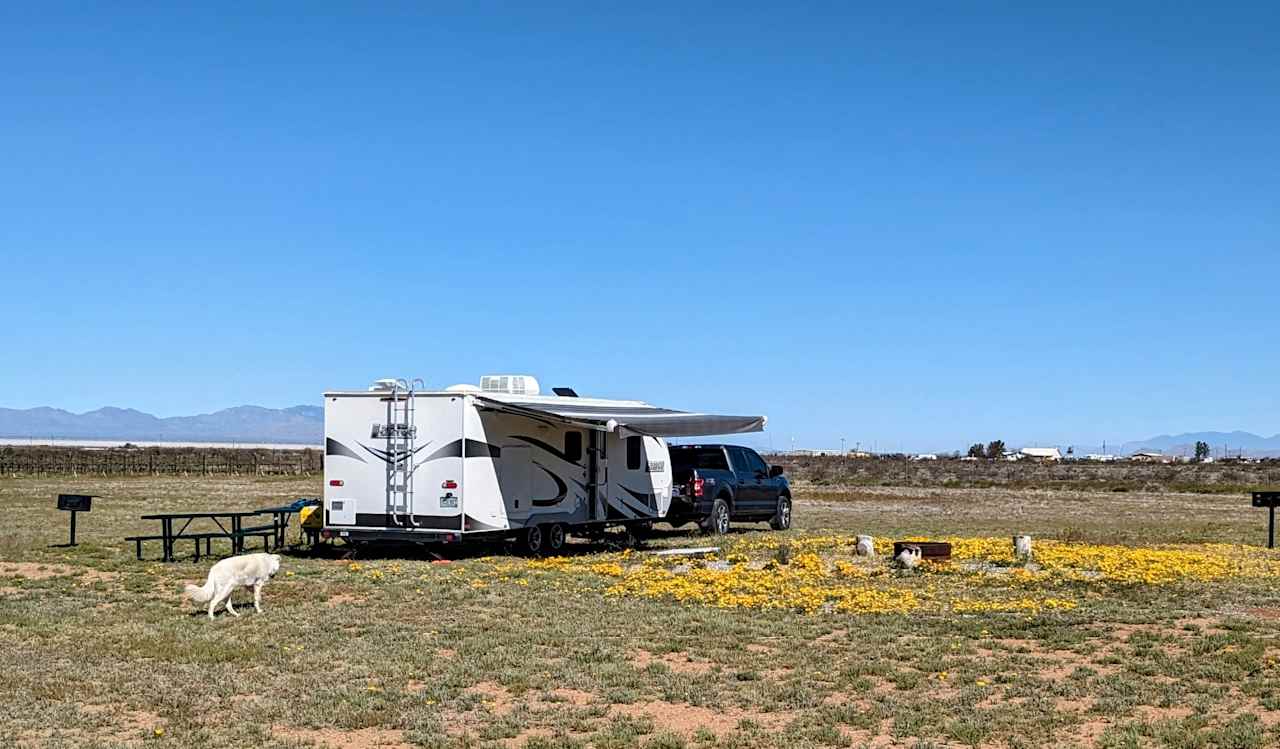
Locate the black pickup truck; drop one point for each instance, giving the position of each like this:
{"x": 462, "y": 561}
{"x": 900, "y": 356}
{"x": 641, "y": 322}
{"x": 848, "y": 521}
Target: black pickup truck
{"x": 714, "y": 484}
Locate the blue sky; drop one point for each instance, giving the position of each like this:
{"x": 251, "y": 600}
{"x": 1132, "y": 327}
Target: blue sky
{"x": 909, "y": 227}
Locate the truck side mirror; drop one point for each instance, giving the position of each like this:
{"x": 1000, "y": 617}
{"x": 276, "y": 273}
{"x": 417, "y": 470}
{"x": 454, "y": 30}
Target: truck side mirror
{"x": 775, "y": 471}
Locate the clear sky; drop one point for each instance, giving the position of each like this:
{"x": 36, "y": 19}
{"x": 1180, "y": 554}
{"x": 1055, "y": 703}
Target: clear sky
{"x": 911, "y": 227}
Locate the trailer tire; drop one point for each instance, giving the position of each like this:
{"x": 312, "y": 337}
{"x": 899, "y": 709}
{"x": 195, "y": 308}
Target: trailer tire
{"x": 781, "y": 519}
{"x": 532, "y": 540}
{"x": 556, "y": 536}
{"x": 717, "y": 521}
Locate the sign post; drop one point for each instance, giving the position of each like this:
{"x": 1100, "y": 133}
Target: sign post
{"x": 74, "y": 503}
{"x": 1268, "y": 500}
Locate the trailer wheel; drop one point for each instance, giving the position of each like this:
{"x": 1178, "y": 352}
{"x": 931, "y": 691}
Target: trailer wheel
{"x": 717, "y": 521}
{"x": 781, "y": 519}
{"x": 556, "y": 538}
{"x": 532, "y": 540}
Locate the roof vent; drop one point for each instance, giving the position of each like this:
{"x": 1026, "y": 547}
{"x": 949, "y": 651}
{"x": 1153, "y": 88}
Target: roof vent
{"x": 509, "y": 384}
{"x": 462, "y": 388}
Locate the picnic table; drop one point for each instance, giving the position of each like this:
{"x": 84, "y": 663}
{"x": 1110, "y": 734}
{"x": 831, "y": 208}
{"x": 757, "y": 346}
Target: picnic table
{"x": 230, "y": 525}
{"x": 280, "y": 516}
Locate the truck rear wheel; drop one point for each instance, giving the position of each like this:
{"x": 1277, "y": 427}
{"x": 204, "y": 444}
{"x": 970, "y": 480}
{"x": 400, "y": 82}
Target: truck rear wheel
{"x": 781, "y": 519}
{"x": 717, "y": 521}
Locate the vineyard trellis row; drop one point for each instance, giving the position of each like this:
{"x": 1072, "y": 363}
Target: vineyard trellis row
{"x": 68, "y": 461}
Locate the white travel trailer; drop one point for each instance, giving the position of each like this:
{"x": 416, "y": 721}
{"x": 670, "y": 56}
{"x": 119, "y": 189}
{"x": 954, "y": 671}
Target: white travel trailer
{"x": 500, "y": 460}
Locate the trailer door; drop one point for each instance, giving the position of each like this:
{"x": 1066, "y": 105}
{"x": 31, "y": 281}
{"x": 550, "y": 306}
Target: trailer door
{"x": 515, "y": 482}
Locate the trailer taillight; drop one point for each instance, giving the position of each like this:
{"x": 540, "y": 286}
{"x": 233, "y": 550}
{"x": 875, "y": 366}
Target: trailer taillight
{"x": 449, "y": 484}
{"x": 335, "y": 482}
{"x": 697, "y": 486}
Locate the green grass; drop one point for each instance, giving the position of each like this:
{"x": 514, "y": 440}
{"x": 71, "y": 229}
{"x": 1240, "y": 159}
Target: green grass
{"x": 97, "y": 649}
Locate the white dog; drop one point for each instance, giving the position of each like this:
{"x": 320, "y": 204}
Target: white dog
{"x": 247, "y": 571}
{"x": 866, "y": 546}
{"x": 909, "y": 557}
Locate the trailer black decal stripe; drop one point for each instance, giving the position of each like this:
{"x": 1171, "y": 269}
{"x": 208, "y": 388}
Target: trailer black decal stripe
{"x": 385, "y": 456}
{"x": 451, "y": 450}
{"x": 334, "y": 447}
{"x": 539, "y": 443}
{"x": 561, "y": 489}
{"x": 650, "y": 500}
{"x": 614, "y": 512}
{"x": 477, "y": 449}
{"x": 640, "y": 511}
{"x": 425, "y": 522}
{"x": 471, "y": 524}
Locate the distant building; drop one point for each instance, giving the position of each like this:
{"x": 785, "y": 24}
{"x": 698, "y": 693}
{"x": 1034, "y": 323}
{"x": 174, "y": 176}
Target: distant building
{"x": 1149, "y": 457}
{"x": 925, "y": 456}
{"x": 1044, "y": 454}
{"x": 1100, "y": 457}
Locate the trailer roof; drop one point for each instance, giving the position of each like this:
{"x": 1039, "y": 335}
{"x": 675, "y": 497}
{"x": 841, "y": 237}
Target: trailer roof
{"x": 628, "y": 416}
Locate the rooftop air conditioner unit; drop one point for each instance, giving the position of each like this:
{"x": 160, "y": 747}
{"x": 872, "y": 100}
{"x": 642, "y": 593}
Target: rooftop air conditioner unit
{"x": 509, "y": 384}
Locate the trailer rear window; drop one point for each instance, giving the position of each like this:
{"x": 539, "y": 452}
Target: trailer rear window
{"x": 706, "y": 458}
{"x": 573, "y": 446}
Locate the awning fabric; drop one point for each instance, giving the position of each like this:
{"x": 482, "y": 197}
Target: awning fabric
{"x": 628, "y": 418}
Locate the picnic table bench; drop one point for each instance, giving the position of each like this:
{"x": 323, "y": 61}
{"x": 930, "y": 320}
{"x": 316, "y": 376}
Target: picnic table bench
{"x": 232, "y": 529}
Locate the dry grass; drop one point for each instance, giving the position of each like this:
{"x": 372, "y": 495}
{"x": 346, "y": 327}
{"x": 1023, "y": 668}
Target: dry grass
{"x": 98, "y": 650}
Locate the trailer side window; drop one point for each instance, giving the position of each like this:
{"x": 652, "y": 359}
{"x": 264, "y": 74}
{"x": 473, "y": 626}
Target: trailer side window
{"x": 573, "y": 446}
{"x": 633, "y": 453}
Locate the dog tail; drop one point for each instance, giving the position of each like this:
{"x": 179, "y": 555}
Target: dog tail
{"x": 200, "y": 594}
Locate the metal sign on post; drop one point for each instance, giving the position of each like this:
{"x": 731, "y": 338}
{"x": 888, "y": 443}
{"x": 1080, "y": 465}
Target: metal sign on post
{"x": 74, "y": 503}
{"x": 1268, "y": 500}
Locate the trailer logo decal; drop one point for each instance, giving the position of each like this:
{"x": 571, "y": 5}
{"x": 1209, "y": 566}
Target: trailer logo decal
{"x": 561, "y": 489}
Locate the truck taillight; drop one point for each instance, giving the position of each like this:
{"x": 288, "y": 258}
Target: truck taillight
{"x": 697, "y": 486}
{"x": 335, "y": 482}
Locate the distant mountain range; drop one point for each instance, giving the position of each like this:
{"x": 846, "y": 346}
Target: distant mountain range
{"x": 1175, "y": 444}
{"x": 297, "y": 425}
{"x": 305, "y": 425}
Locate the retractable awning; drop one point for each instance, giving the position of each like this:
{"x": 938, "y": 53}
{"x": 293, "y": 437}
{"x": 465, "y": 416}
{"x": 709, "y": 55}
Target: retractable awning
{"x": 626, "y": 417}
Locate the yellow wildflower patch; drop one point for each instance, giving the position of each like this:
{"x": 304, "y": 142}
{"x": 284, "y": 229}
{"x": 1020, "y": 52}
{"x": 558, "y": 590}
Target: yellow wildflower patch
{"x": 821, "y": 572}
